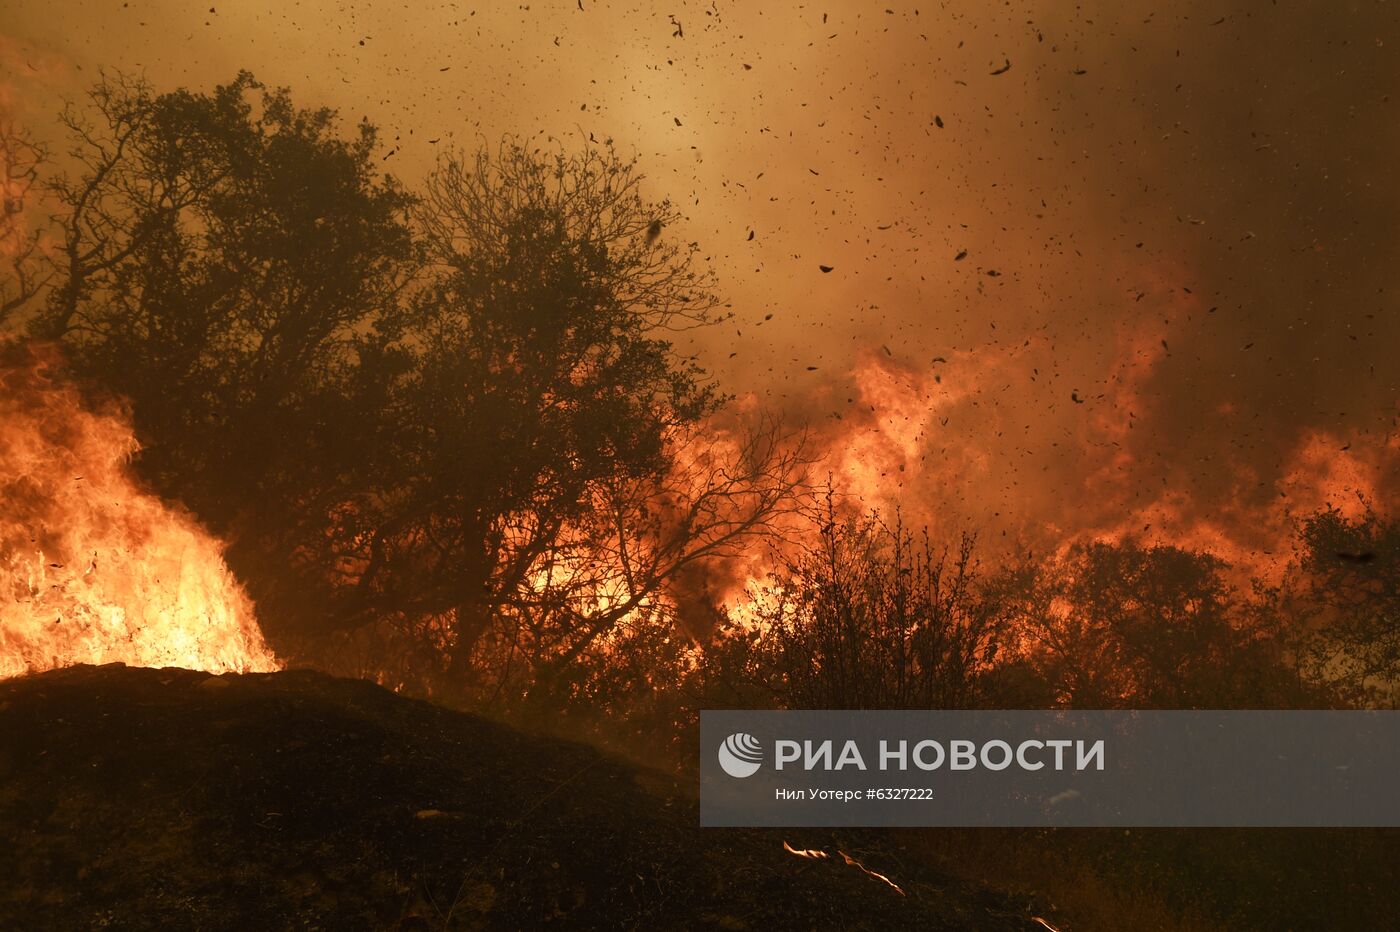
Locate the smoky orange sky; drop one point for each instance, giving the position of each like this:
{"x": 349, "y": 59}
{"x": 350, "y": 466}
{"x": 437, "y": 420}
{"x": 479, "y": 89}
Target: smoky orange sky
{"x": 1175, "y": 311}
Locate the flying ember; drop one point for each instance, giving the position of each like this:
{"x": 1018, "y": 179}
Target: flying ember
{"x": 92, "y": 568}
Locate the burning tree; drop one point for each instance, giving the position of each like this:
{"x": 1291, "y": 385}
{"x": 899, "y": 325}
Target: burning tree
{"x": 1127, "y": 625}
{"x": 455, "y": 426}
{"x": 547, "y": 464}
{"x": 221, "y": 261}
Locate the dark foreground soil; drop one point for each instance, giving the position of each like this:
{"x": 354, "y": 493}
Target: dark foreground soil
{"x": 135, "y": 798}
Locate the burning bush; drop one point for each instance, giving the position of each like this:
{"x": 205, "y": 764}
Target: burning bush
{"x": 868, "y": 616}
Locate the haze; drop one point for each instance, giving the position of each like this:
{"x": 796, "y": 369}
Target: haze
{"x": 1176, "y": 312}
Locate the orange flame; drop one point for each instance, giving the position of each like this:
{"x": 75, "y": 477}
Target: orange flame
{"x": 992, "y": 439}
{"x": 92, "y": 568}
{"x": 818, "y": 854}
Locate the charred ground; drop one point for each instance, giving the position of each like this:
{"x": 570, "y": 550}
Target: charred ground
{"x": 143, "y": 798}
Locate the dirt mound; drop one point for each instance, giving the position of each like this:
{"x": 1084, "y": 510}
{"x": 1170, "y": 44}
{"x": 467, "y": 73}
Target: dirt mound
{"x": 140, "y": 798}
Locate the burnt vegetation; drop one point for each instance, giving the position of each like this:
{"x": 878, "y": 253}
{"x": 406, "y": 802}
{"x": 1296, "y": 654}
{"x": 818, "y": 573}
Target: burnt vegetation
{"x": 454, "y": 447}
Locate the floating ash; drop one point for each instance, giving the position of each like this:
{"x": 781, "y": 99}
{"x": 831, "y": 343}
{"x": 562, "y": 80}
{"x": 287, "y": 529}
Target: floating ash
{"x": 92, "y": 568}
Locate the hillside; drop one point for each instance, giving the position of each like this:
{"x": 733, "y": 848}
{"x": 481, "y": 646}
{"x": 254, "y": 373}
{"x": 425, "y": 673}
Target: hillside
{"x": 143, "y": 798}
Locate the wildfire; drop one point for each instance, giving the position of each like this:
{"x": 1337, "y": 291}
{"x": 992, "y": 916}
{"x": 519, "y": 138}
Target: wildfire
{"x": 92, "y": 568}
{"x": 994, "y": 440}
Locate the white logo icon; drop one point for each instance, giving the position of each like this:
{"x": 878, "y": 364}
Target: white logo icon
{"x": 741, "y": 755}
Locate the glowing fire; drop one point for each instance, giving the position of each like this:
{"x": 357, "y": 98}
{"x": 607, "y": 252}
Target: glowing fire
{"x": 92, "y": 569}
{"x": 818, "y": 854}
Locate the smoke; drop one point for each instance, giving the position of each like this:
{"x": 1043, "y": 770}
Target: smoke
{"x": 1158, "y": 301}
{"x": 1096, "y": 269}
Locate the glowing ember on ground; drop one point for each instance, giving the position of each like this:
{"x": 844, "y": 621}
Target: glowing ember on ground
{"x": 817, "y": 854}
{"x": 92, "y": 568}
